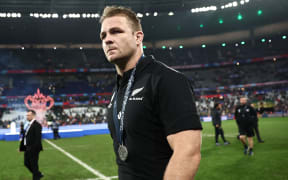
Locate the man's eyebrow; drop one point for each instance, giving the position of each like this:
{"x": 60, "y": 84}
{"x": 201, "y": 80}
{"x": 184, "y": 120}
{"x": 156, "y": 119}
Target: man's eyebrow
{"x": 103, "y": 33}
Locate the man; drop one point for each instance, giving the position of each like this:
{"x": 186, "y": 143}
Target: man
{"x": 216, "y": 120}
{"x": 55, "y": 128}
{"x": 244, "y": 115}
{"x": 152, "y": 116}
{"x": 255, "y": 127}
{"x": 32, "y": 145}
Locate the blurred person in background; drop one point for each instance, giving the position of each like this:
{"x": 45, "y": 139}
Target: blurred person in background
{"x": 245, "y": 119}
{"x": 216, "y": 120}
{"x": 256, "y": 129}
{"x": 55, "y": 128}
{"x": 32, "y": 145}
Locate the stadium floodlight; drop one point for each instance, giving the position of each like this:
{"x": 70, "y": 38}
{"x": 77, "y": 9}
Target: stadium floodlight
{"x": 235, "y": 4}
{"x": 239, "y": 17}
{"x": 259, "y": 12}
{"x": 170, "y": 48}
{"x": 155, "y": 14}
{"x": 221, "y": 21}
{"x": 163, "y": 47}
{"x": 181, "y": 47}
{"x": 171, "y": 13}
{"x": 204, "y": 9}
{"x": 14, "y": 15}
{"x": 242, "y": 2}
{"x": 284, "y": 37}
{"x": 222, "y": 7}
{"x": 64, "y": 16}
{"x": 147, "y": 14}
{"x": 55, "y": 15}
{"x": 140, "y": 15}
{"x": 203, "y": 46}
{"x": 246, "y": 1}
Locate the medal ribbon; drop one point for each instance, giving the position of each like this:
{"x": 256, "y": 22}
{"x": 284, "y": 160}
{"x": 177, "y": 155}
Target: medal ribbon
{"x": 119, "y": 128}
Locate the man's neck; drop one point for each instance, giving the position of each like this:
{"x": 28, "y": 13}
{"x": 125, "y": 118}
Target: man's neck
{"x": 129, "y": 64}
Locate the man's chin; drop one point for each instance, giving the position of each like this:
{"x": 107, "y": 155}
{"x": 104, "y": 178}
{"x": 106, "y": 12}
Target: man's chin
{"x": 114, "y": 59}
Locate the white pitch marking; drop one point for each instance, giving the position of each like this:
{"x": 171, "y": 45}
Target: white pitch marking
{"x": 213, "y": 135}
{"x": 111, "y": 177}
{"x": 97, "y": 173}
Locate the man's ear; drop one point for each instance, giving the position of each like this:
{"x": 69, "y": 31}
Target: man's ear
{"x": 139, "y": 37}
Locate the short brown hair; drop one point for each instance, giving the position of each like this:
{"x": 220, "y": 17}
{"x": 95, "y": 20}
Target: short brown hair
{"x": 111, "y": 11}
{"x": 32, "y": 111}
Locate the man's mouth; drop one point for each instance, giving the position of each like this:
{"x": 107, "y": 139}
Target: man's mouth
{"x": 111, "y": 49}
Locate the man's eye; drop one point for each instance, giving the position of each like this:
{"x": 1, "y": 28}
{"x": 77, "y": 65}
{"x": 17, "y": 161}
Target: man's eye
{"x": 116, "y": 31}
{"x": 102, "y": 37}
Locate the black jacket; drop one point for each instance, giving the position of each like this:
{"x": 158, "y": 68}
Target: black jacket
{"x": 245, "y": 114}
{"x": 216, "y": 117}
{"x": 33, "y": 138}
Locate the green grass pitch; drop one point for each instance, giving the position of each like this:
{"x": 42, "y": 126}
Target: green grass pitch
{"x": 270, "y": 161}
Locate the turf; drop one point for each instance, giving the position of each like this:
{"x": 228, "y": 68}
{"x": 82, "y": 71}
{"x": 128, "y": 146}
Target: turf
{"x": 270, "y": 160}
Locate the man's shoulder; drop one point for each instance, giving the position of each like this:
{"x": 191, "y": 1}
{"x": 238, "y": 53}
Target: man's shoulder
{"x": 36, "y": 123}
{"x": 163, "y": 70}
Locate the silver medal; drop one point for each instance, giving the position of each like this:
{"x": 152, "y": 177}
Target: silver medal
{"x": 123, "y": 152}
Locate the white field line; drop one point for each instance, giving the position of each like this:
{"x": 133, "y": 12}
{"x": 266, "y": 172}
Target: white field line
{"x": 226, "y": 135}
{"x": 95, "y": 172}
{"x": 111, "y": 177}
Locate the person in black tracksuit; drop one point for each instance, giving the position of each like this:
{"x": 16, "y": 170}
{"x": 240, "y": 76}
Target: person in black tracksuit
{"x": 256, "y": 129}
{"x": 245, "y": 119}
{"x": 216, "y": 120}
